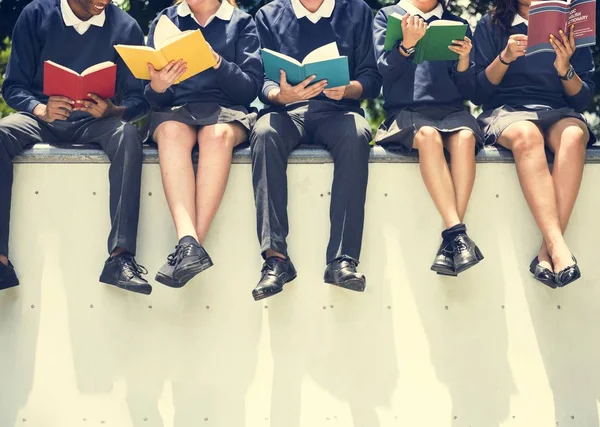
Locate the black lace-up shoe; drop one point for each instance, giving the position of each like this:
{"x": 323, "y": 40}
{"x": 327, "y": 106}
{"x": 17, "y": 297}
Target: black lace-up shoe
{"x": 342, "y": 272}
{"x": 165, "y": 273}
{"x": 191, "y": 260}
{"x": 444, "y": 260}
{"x": 124, "y": 272}
{"x": 8, "y": 276}
{"x": 275, "y": 273}
{"x": 466, "y": 253}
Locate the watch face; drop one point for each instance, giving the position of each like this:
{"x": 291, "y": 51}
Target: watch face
{"x": 570, "y": 73}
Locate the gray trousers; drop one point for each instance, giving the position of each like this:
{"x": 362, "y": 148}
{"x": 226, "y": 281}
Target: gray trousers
{"x": 120, "y": 140}
{"x": 347, "y": 135}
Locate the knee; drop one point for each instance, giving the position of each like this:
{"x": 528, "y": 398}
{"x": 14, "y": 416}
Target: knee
{"x": 217, "y": 137}
{"x": 263, "y": 137}
{"x": 172, "y": 131}
{"x": 428, "y": 138}
{"x": 527, "y": 139}
{"x": 131, "y": 139}
{"x": 574, "y": 140}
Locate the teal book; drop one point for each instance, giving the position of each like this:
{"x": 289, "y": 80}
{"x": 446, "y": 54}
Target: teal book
{"x": 324, "y": 62}
{"x": 434, "y": 45}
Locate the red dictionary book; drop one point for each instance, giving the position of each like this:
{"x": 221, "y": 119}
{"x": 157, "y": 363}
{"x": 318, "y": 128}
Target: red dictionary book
{"x": 549, "y": 16}
{"x": 99, "y": 79}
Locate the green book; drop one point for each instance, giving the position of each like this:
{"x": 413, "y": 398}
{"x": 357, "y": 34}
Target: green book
{"x": 434, "y": 45}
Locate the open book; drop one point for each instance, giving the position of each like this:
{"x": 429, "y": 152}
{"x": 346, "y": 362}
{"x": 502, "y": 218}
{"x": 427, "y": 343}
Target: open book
{"x": 99, "y": 79}
{"x": 547, "y": 17}
{"x": 434, "y": 44}
{"x": 324, "y": 62}
{"x": 171, "y": 44}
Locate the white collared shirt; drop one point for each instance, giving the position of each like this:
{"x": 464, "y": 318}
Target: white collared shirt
{"x": 414, "y": 10}
{"x": 519, "y": 20}
{"x": 324, "y": 11}
{"x": 71, "y": 20}
{"x": 224, "y": 12}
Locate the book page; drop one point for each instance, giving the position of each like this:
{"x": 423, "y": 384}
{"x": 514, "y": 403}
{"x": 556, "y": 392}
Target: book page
{"x": 165, "y": 30}
{"x": 68, "y": 70}
{"x": 282, "y": 56}
{"x": 329, "y": 51}
{"x": 97, "y": 67}
{"x": 444, "y": 23}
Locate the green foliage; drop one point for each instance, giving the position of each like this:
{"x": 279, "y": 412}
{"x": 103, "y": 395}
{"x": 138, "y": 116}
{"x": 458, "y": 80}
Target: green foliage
{"x": 4, "y": 54}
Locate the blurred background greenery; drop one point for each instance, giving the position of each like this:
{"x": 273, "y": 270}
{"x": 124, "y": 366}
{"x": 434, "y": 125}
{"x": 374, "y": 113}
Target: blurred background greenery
{"x": 145, "y": 11}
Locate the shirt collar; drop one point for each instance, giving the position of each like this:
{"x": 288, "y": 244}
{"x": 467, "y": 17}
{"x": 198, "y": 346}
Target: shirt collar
{"x": 224, "y": 12}
{"x": 71, "y": 20}
{"x": 519, "y": 20}
{"x": 324, "y": 11}
{"x": 413, "y": 10}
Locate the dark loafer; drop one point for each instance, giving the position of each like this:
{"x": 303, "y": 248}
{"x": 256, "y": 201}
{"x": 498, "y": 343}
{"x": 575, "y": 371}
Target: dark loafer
{"x": 542, "y": 274}
{"x": 276, "y": 272}
{"x": 124, "y": 272}
{"x": 568, "y": 275}
{"x": 192, "y": 259}
{"x": 444, "y": 260}
{"x": 466, "y": 253}
{"x": 165, "y": 274}
{"x": 342, "y": 272}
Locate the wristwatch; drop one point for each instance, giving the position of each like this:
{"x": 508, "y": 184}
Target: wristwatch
{"x": 570, "y": 74}
{"x": 408, "y": 51}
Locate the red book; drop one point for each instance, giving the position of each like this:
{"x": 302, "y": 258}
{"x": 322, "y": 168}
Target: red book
{"x": 549, "y": 16}
{"x": 99, "y": 79}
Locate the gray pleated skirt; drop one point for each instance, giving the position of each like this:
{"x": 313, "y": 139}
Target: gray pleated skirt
{"x": 494, "y": 122}
{"x": 202, "y": 114}
{"x": 399, "y": 130}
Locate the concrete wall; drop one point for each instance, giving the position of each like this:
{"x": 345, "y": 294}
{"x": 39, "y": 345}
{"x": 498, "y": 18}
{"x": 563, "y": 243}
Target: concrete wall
{"x": 492, "y": 348}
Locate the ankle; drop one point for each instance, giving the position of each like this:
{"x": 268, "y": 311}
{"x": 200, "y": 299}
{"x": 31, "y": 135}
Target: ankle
{"x": 3, "y": 260}
{"x": 270, "y": 253}
{"x": 117, "y": 252}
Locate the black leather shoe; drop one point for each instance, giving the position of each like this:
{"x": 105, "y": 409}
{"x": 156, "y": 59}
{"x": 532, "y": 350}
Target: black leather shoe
{"x": 443, "y": 263}
{"x": 342, "y": 272}
{"x": 466, "y": 253}
{"x": 191, "y": 260}
{"x": 123, "y": 272}
{"x": 542, "y": 274}
{"x": 8, "y": 276}
{"x": 568, "y": 275}
{"x": 165, "y": 273}
{"x": 276, "y": 272}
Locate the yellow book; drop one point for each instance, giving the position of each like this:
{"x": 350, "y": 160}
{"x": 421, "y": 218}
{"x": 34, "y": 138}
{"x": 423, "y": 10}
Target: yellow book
{"x": 171, "y": 44}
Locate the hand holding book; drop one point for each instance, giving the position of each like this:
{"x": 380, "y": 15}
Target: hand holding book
{"x": 288, "y": 94}
{"x": 414, "y": 29}
{"x": 564, "y": 46}
{"x": 57, "y": 108}
{"x": 161, "y": 80}
{"x": 463, "y": 49}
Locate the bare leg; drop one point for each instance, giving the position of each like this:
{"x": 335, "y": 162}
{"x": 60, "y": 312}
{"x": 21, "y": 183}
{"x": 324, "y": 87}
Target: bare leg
{"x": 3, "y": 260}
{"x": 567, "y": 139}
{"x": 216, "y": 145}
{"x": 461, "y": 146}
{"x": 175, "y": 143}
{"x": 527, "y": 144}
{"x": 436, "y": 174}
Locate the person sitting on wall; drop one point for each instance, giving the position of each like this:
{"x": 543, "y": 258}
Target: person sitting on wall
{"x": 425, "y": 111}
{"x": 210, "y": 109}
{"x": 77, "y": 34}
{"x": 307, "y": 113}
{"x": 533, "y": 102}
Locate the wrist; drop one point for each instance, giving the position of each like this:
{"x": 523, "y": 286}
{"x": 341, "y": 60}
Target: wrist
{"x": 156, "y": 89}
{"x": 562, "y": 69}
{"x": 505, "y": 58}
{"x": 40, "y": 110}
{"x": 219, "y": 59}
